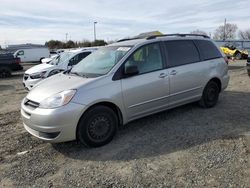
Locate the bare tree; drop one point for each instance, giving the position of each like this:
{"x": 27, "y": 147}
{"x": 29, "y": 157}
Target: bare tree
{"x": 244, "y": 34}
{"x": 200, "y": 32}
{"x": 225, "y": 32}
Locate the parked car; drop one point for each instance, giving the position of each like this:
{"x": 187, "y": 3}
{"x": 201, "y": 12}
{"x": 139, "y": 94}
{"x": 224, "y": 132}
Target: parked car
{"x": 248, "y": 65}
{"x": 122, "y": 82}
{"x": 8, "y": 64}
{"x": 63, "y": 62}
{"x": 32, "y": 54}
{"x": 49, "y": 59}
{"x": 232, "y": 51}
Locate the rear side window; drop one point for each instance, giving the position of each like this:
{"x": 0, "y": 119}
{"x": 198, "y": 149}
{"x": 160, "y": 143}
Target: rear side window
{"x": 208, "y": 49}
{"x": 181, "y": 52}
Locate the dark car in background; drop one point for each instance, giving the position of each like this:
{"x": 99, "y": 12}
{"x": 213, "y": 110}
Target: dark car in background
{"x": 248, "y": 65}
{"x": 8, "y": 64}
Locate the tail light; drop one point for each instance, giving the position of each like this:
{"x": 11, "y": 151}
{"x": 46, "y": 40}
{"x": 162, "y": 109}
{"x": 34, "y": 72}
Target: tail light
{"x": 226, "y": 59}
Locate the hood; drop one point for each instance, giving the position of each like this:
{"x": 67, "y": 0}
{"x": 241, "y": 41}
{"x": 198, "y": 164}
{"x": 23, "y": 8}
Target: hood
{"x": 56, "y": 84}
{"x": 39, "y": 68}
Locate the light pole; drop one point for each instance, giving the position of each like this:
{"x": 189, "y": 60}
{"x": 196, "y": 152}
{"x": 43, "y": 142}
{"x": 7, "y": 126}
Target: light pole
{"x": 66, "y": 34}
{"x": 225, "y": 24}
{"x": 95, "y": 31}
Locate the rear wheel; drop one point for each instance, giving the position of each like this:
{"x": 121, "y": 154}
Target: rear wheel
{"x": 210, "y": 95}
{"x": 41, "y": 59}
{"x": 248, "y": 72}
{"x": 5, "y": 72}
{"x": 97, "y": 126}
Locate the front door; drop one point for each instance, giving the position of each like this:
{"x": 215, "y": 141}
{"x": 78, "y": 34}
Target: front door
{"x": 148, "y": 91}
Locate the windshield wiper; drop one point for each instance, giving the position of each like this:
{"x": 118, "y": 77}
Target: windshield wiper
{"x": 75, "y": 73}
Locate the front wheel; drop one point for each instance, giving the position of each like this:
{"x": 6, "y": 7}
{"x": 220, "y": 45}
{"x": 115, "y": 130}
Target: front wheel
{"x": 210, "y": 95}
{"x": 97, "y": 126}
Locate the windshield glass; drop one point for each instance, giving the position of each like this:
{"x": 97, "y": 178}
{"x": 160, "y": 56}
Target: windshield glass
{"x": 100, "y": 62}
{"x": 62, "y": 58}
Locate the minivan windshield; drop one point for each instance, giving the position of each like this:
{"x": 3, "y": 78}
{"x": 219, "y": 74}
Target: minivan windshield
{"x": 100, "y": 62}
{"x": 62, "y": 58}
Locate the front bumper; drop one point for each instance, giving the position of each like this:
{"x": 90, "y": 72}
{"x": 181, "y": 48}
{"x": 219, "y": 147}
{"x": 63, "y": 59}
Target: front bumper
{"x": 52, "y": 125}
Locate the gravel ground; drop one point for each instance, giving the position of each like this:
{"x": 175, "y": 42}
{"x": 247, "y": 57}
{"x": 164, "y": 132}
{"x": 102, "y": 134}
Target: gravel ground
{"x": 183, "y": 147}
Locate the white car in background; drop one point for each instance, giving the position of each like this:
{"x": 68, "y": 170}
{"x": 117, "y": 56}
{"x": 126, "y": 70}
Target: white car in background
{"x": 32, "y": 54}
{"x": 49, "y": 59}
{"x": 53, "y": 55}
{"x": 63, "y": 62}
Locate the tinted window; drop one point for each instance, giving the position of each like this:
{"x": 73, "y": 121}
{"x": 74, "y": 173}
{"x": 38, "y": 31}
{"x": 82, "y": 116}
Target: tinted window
{"x": 181, "y": 52}
{"x": 208, "y": 49}
{"x": 147, "y": 58}
{"x": 83, "y": 55}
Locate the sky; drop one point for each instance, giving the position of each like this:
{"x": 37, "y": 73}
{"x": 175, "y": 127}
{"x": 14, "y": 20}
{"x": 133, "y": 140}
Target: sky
{"x": 37, "y": 21}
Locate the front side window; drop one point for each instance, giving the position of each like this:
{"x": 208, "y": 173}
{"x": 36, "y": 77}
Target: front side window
{"x": 74, "y": 59}
{"x": 101, "y": 61}
{"x": 181, "y": 52}
{"x": 147, "y": 58}
{"x": 83, "y": 55}
{"x": 21, "y": 52}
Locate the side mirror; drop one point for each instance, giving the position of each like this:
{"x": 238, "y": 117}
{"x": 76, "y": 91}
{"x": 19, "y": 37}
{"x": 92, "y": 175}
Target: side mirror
{"x": 131, "y": 70}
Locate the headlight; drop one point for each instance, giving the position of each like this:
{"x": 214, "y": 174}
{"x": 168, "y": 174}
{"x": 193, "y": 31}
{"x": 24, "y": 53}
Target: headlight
{"x": 58, "y": 99}
{"x": 38, "y": 75}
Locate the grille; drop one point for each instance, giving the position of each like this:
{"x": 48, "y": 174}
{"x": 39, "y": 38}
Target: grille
{"x": 26, "y": 76}
{"x": 31, "y": 104}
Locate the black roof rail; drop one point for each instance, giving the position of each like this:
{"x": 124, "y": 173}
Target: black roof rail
{"x": 177, "y": 34}
{"x": 165, "y": 35}
{"x": 134, "y": 38}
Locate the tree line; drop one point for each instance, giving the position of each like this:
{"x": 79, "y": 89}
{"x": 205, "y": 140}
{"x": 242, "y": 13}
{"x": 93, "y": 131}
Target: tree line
{"x": 225, "y": 32}
{"x": 56, "y": 44}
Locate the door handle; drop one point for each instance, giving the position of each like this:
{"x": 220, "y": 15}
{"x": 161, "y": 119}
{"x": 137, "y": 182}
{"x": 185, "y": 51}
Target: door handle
{"x": 173, "y": 72}
{"x": 163, "y": 75}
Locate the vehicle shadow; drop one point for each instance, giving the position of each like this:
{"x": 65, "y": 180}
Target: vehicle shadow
{"x": 170, "y": 131}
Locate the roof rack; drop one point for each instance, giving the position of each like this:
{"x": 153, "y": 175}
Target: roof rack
{"x": 134, "y": 38}
{"x": 165, "y": 35}
{"x": 177, "y": 34}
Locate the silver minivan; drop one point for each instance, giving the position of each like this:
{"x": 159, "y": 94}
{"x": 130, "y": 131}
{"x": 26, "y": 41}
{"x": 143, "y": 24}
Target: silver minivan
{"x": 122, "y": 82}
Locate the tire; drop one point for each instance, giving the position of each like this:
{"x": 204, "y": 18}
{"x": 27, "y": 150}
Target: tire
{"x": 41, "y": 59}
{"x": 97, "y": 126}
{"x": 210, "y": 95}
{"x": 238, "y": 55}
{"x": 248, "y": 72}
{"x": 5, "y": 72}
